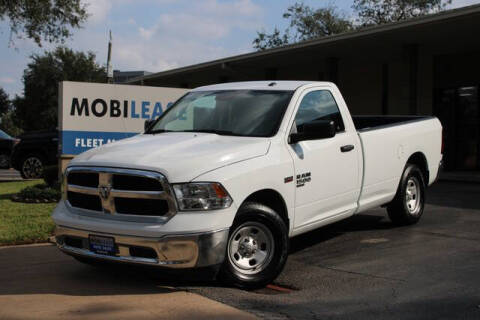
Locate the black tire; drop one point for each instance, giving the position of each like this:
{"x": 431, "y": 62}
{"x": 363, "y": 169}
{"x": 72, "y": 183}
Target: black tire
{"x": 4, "y": 160}
{"x": 407, "y": 207}
{"x": 264, "y": 220}
{"x": 26, "y": 170}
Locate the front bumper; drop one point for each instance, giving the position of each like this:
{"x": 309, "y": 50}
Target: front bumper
{"x": 172, "y": 251}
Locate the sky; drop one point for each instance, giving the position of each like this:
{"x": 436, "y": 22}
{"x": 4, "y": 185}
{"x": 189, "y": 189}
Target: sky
{"x": 157, "y": 35}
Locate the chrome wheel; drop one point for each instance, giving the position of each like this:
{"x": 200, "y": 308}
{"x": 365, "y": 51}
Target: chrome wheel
{"x": 251, "y": 247}
{"x": 32, "y": 168}
{"x": 412, "y": 195}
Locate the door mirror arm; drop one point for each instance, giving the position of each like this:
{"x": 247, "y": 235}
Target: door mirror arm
{"x": 295, "y": 138}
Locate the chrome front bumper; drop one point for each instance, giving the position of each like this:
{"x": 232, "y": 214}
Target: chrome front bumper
{"x": 178, "y": 251}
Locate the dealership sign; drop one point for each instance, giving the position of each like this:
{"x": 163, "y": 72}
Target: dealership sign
{"x": 93, "y": 114}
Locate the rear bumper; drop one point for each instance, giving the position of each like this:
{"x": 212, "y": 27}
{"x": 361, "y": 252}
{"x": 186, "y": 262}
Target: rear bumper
{"x": 172, "y": 251}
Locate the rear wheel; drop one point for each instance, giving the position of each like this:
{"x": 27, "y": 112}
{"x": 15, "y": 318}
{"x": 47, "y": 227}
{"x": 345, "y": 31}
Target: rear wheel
{"x": 407, "y": 206}
{"x": 257, "y": 247}
{"x": 32, "y": 167}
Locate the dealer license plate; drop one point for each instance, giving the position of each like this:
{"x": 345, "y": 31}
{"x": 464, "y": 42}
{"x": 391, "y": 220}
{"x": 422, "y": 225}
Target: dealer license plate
{"x": 102, "y": 245}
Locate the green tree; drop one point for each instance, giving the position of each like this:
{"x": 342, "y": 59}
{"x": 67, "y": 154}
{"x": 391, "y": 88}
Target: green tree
{"x": 308, "y": 23}
{"x": 9, "y": 125}
{"x": 275, "y": 39}
{"x": 4, "y": 102}
{"x": 375, "y": 12}
{"x": 37, "y": 109}
{"x": 43, "y": 20}
{"x": 305, "y": 23}
{"x": 7, "y": 117}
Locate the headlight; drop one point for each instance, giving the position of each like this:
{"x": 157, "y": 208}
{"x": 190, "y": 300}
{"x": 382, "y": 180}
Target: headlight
{"x": 202, "y": 196}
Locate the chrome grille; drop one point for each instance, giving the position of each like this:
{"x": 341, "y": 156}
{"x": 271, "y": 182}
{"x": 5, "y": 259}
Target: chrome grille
{"x": 119, "y": 193}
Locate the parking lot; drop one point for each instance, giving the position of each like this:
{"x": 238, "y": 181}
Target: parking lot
{"x": 360, "y": 268}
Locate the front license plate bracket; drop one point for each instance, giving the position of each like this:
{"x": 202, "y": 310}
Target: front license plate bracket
{"x": 102, "y": 245}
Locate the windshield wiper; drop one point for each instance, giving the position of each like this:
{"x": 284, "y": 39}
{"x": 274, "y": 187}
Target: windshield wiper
{"x": 215, "y": 131}
{"x": 157, "y": 131}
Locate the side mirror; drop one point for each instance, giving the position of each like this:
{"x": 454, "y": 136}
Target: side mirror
{"x": 314, "y": 130}
{"x": 148, "y": 124}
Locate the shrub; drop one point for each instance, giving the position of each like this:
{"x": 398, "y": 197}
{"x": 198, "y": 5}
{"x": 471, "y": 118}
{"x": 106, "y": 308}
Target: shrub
{"x": 37, "y": 194}
{"x": 50, "y": 175}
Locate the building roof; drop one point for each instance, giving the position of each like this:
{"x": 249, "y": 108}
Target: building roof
{"x": 131, "y": 73}
{"x": 404, "y": 31}
{"x": 258, "y": 85}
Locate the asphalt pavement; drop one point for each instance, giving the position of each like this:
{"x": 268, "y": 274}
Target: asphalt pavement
{"x": 360, "y": 268}
{"x": 365, "y": 268}
{"x": 38, "y": 282}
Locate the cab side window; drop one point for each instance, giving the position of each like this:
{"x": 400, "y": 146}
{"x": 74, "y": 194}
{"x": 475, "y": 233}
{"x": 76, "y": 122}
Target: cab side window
{"x": 318, "y": 105}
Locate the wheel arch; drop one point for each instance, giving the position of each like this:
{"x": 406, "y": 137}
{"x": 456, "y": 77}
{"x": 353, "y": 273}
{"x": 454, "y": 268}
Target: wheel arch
{"x": 419, "y": 159}
{"x": 32, "y": 151}
{"x": 272, "y": 199}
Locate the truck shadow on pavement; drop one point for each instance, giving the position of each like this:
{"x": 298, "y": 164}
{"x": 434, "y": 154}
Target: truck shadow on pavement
{"x": 355, "y": 306}
{"x": 45, "y": 270}
{"x": 361, "y": 222}
{"x": 39, "y": 282}
{"x": 461, "y": 195}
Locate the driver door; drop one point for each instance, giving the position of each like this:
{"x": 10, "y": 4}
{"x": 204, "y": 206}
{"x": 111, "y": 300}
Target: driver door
{"x": 327, "y": 171}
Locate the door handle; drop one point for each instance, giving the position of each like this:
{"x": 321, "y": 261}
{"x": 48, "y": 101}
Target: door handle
{"x": 347, "y": 148}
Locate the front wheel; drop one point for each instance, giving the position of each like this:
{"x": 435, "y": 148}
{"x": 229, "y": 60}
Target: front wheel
{"x": 407, "y": 206}
{"x": 257, "y": 247}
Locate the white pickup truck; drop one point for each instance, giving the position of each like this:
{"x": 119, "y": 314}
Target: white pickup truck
{"x": 232, "y": 171}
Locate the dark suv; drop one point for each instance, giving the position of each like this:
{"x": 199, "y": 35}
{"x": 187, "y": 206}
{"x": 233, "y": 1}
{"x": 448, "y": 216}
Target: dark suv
{"x": 35, "y": 151}
{"x": 6, "y": 146}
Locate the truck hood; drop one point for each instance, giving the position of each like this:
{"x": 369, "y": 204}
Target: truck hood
{"x": 180, "y": 156}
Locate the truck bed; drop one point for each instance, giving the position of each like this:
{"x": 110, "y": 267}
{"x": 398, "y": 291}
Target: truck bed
{"x": 387, "y": 142}
{"x": 364, "y": 123}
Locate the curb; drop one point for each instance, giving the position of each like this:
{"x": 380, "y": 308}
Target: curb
{"x": 38, "y": 244}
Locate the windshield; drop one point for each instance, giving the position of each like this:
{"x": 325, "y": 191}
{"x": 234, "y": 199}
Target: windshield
{"x": 3, "y": 135}
{"x": 251, "y": 113}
